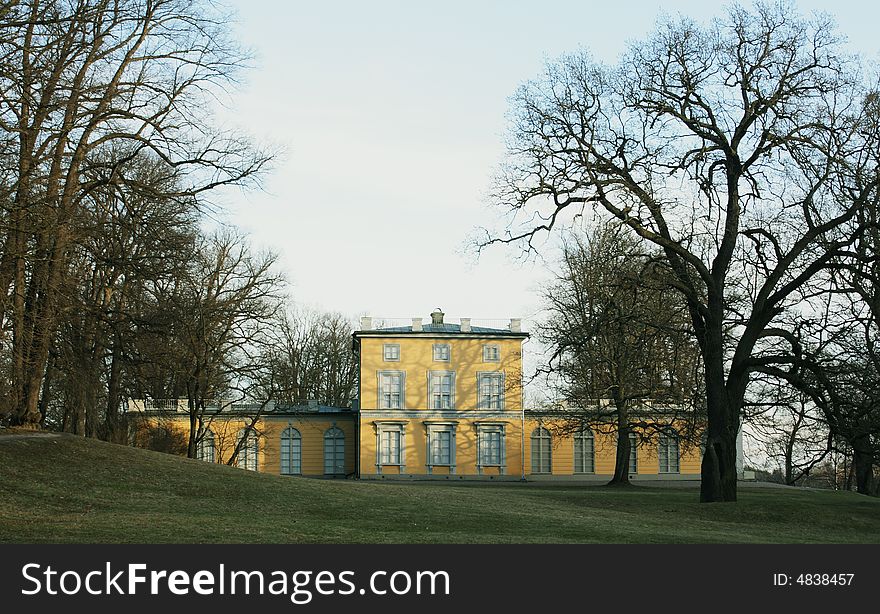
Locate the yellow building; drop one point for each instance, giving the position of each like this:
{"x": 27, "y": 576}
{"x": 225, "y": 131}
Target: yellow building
{"x": 444, "y": 400}
{"x": 309, "y": 440}
{"x": 440, "y": 399}
{"x": 436, "y": 401}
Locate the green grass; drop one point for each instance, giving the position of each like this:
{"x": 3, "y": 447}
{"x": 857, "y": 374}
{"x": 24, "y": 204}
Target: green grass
{"x": 67, "y": 489}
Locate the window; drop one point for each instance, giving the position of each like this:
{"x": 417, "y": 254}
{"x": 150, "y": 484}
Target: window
{"x": 391, "y": 389}
{"x": 390, "y": 445}
{"x": 441, "y": 352}
{"x": 334, "y": 451}
{"x": 584, "y": 452}
{"x": 441, "y": 445}
{"x": 441, "y": 387}
{"x": 205, "y": 447}
{"x": 490, "y": 441}
{"x": 390, "y": 448}
{"x": 392, "y": 351}
{"x": 491, "y": 390}
{"x": 291, "y": 451}
{"x": 541, "y": 440}
{"x": 247, "y": 451}
{"x": 441, "y": 448}
{"x": 668, "y": 452}
{"x": 491, "y": 353}
{"x": 633, "y": 454}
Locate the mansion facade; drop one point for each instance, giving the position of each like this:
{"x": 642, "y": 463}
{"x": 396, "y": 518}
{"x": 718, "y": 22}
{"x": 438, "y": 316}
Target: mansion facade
{"x": 434, "y": 401}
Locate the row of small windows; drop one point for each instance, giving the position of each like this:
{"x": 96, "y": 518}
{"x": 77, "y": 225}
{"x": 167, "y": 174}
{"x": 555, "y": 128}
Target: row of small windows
{"x": 584, "y": 452}
{"x": 441, "y": 352}
{"x": 441, "y": 450}
{"x": 440, "y": 445}
{"x": 441, "y": 390}
{"x": 291, "y": 451}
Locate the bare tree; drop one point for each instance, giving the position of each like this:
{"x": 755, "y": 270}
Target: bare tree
{"x": 227, "y": 309}
{"x": 86, "y": 88}
{"x": 788, "y": 429}
{"x": 316, "y": 360}
{"x": 128, "y": 241}
{"x": 618, "y": 332}
{"x": 728, "y": 146}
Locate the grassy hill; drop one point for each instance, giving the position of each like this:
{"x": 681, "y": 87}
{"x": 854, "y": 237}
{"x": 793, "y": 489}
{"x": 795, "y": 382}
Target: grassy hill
{"x": 68, "y": 489}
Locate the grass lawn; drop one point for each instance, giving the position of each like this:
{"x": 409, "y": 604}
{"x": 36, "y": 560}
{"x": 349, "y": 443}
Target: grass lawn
{"x": 68, "y": 489}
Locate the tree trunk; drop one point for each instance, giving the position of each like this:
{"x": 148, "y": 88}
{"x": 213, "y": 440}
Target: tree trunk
{"x": 113, "y": 394}
{"x": 718, "y": 469}
{"x": 621, "y": 462}
{"x": 863, "y": 465}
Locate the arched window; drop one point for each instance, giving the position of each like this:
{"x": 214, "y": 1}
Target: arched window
{"x": 205, "y": 446}
{"x": 584, "y": 452}
{"x": 291, "y": 451}
{"x": 334, "y": 451}
{"x": 247, "y": 451}
{"x": 541, "y": 444}
{"x": 668, "y": 452}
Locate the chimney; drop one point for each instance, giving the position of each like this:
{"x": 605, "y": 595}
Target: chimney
{"x": 515, "y": 325}
{"x": 437, "y": 316}
{"x": 366, "y": 323}
{"x": 465, "y": 325}
{"x": 417, "y": 325}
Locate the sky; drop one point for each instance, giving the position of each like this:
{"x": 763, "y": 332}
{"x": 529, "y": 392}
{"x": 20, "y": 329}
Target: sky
{"x": 390, "y": 119}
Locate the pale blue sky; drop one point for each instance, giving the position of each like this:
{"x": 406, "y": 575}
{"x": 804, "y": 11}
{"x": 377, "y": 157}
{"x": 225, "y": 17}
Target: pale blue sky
{"x": 391, "y": 116}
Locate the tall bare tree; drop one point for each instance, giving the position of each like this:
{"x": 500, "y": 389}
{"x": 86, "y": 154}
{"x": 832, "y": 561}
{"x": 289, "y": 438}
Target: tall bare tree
{"x": 729, "y": 147}
{"x": 618, "y": 332}
{"x": 227, "y": 308}
{"x": 129, "y": 242}
{"x": 87, "y": 87}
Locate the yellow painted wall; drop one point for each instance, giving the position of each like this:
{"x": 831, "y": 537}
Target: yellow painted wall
{"x": 416, "y": 448}
{"x": 417, "y": 360}
{"x": 605, "y": 450}
{"x": 312, "y": 429}
{"x": 269, "y": 428}
{"x": 562, "y": 451}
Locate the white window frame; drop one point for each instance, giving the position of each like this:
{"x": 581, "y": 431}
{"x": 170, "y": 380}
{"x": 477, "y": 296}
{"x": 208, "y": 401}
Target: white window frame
{"x": 395, "y": 426}
{"x": 438, "y": 352}
{"x": 291, "y": 451}
{"x": 205, "y": 449}
{"x": 389, "y": 447}
{"x": 483, "y": 377}
{"x": 393, "y": 349}
{"x": 434, "y": 432}
{"x": 491, "y": 352}
{"x": 248, "y": 454}
{"x": 484, "y": 432}
{"x": 580, "y": 441}
{"x": 337, "y": 436}
{"x": 380, "y": 401}
{"x": 668, "y": 441}
{"x": 541, "y": 436}
{"x": 433, "y": 376}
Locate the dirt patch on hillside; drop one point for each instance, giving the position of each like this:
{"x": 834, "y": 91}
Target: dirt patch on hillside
{"x": 18, "y": 434}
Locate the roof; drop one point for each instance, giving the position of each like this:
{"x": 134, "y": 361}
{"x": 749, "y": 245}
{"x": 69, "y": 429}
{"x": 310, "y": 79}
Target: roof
{"x": 271, "y": 408}
{"x": 441, "y": 329}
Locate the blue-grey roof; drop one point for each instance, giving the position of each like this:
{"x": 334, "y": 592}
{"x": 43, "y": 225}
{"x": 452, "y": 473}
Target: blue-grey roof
{"x": 443, "y": 328}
